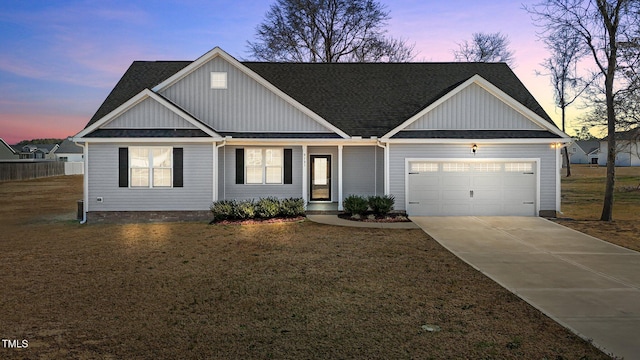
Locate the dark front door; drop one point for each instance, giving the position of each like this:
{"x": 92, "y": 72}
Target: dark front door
{"x": 320, "y": 177}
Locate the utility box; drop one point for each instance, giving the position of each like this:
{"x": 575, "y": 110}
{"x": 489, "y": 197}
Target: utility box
{"x": 80, "y": 210}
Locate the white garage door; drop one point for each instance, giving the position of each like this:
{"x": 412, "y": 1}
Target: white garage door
{"x": 441, "y": 188}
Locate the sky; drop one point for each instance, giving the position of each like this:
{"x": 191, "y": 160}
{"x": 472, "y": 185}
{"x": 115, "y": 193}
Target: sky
{"x": 60, "y": 59}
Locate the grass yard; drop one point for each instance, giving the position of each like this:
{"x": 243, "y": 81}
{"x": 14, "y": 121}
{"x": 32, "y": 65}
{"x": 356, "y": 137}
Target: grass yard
{"x": 582, "y": 197}
{"x": 283, "y": 291}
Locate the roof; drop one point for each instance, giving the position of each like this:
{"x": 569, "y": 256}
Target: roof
{"x": 632, "y": 135}
{"x": 588, "y": 145}
{"x": 361, "y": 99}
{"x": 8, "y": 146}
{"x": 69, "y": 147}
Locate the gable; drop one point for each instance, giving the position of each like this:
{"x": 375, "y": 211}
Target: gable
{"x": 148, "y": 114}
{"x": 245, "y": 105}
{"x": 473, "y": 108}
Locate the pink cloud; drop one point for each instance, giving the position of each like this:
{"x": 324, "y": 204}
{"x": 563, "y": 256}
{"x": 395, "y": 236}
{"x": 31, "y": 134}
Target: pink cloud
{"x": 17, "y": 127}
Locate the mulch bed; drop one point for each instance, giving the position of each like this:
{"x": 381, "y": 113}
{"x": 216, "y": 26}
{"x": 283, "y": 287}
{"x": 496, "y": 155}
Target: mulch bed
{"x": 257, "y": 221}
{"x": 370, "y": 217}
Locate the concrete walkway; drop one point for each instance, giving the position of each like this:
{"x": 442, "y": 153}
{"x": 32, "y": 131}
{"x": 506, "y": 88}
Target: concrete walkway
{"x": 335, "y": 220}
{"x": 588, "y": 285}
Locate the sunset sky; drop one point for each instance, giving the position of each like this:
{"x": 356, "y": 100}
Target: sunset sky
{"x": 60, "y": 59}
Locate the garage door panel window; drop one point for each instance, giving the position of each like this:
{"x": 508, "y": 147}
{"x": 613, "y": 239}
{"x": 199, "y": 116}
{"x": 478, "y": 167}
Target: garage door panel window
{"x": 487, "y": 167}
{"x": 420, "y": 167}
{"x": 456, "y": 167}
{"x": 518, "y": 167}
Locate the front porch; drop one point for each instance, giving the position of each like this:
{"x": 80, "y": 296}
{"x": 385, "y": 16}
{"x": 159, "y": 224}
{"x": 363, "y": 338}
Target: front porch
{"x": 322, "y": 208}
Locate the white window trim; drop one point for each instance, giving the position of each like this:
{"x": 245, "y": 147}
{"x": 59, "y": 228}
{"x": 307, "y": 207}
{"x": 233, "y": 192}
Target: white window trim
{"x": 151, "y": 167}
{"x": 217, "y": 83}
{"x": 264, "y": 166}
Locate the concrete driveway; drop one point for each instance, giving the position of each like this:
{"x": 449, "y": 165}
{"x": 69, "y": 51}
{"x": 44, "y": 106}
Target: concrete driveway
{"x": 588, "y": 285}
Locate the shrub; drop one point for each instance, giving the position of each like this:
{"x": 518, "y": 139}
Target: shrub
{"x": 268, "y": 208}
{"x": 244, "y": 209}
{"x": 223, "y": 210}
{"x": 356, "y": 205}
{"x": 292, "y": 207}
{"x": 381, "y": 205}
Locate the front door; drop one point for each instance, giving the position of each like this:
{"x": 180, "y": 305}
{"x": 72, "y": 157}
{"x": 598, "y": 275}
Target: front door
{"x": 320, "y": 177}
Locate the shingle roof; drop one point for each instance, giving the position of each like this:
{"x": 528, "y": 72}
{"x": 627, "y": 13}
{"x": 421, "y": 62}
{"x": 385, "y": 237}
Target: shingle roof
{"x": 475, "y": 134}
{"x": 361, "y": 99}
{"x": 371, "y": 99}
{"x": 139, "y": 76}
{"x": 69, "y": 147}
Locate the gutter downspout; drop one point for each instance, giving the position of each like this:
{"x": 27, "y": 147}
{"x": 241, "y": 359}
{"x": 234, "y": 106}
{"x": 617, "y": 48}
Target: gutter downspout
{"x": 85, "y": 181}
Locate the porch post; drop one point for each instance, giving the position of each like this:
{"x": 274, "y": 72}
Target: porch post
{"x": 340, "y": 178}
{"x": 215, "y": 172}
{"x": 305, "y": 177}
{"x": 386, "y": 168}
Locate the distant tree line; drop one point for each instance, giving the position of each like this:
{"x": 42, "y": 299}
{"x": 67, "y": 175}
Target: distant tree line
{"x": 40, "y": 141}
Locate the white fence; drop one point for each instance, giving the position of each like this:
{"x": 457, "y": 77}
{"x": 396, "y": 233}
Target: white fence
{"x": 73, "y": 168}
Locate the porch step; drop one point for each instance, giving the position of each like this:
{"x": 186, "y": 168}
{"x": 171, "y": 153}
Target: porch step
{"x": 323, "y": 212}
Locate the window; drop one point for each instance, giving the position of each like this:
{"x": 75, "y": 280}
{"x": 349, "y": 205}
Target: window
{"x": 423, "y": 167}
{"x": 263, "y": 166}
{"x": 150, "y": 166}
{"x": 218, "y": 80}
{"x": 518, "y": 167}
{"x": 487, "y": 167}
{"x": 455, "y": 167}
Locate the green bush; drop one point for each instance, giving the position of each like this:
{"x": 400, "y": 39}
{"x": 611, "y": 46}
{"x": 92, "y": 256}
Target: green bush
{"x": 381, "y": 205}
{"x": 292, "y": 207}
{"x": 222, "y": 210}
{"x": 244, "y": 209}
{"x": 268, "y": 208}
{"x": 355, "y": 205}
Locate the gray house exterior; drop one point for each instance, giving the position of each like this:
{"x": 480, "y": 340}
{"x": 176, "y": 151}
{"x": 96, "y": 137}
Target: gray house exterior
{"x": 442, "y": 138}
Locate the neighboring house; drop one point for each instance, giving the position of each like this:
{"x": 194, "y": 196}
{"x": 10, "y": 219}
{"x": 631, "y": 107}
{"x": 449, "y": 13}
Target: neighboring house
{"x": 584, "y": 151}
{"x": 442, "y": 138}
{"x": 38, "y": 151}
{"x": 6, "y": 151}
{"x": 69, "y": 151}
{"x": 628, "y": 148}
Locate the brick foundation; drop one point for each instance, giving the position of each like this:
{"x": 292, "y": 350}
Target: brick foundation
{"x": 123, "y": 217}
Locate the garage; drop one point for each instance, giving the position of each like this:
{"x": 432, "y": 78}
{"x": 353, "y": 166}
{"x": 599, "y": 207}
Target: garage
{"x": 472, "y": 188}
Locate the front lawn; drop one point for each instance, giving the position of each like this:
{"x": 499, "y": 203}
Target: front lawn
{"x": 294, "y": 290}
{"x": 582, "y": 198}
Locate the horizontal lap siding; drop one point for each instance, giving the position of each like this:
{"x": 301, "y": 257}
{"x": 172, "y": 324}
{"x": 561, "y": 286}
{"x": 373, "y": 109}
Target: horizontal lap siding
{"x": 548, "y": 170}
{"x": 231, "y": 190}
{"x": 197, "y": 193}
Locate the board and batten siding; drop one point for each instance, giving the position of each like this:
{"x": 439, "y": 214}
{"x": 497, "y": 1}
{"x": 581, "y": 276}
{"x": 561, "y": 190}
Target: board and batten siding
{"x": 547, "y": 155}
{"x": 244, "y": 106}
{"x": 149, "y": 114}
{"x": 473, "y": 108}
{"x": 361, "y": 169}
{"x": 230, "y": 190}
{"x": 196, "y": 193}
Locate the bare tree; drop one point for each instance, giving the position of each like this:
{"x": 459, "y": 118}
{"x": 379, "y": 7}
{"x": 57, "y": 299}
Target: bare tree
{"x": 601, "y": 25}
{"x": 485, "y": 47}
{"x": 566, "y": 50}
{"x": 327, "y": 31}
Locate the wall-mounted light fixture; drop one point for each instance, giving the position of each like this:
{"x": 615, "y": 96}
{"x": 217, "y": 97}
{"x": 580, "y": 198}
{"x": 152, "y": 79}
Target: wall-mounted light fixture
{"x": 474, "y": 148}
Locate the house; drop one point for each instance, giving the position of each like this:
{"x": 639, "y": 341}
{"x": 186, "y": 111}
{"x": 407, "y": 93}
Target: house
{"x": 584, "y": 151}
{"x": 69, "y": 151}
{"x": 6, "y": 151}
{"x": 38, "y": 151}
{"x": 628, "y": 148}
{"x": 442, "y": 138}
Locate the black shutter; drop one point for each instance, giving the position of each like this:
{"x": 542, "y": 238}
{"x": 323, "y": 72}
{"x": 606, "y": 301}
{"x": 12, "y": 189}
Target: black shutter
{"x": 288, "y": 168}
{"x": 239, "y": 166}
{"x": 123, "y": 167}
{"x": 177, "y": 167}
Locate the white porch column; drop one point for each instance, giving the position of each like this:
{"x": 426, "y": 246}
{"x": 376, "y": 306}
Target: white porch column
{"x": 386, "y": 169}
{"x": 340, "y": 178}
{"x": 215, "y": 172}
{"x": 305, "y": 177}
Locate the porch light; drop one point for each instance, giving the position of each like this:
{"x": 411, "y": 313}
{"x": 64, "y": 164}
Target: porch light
{"x": 474, "y": 148}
